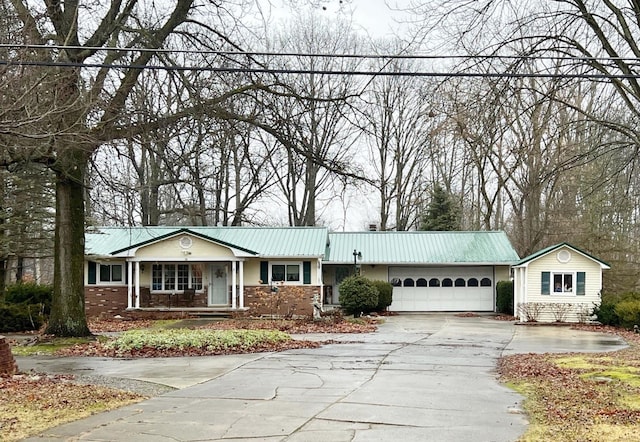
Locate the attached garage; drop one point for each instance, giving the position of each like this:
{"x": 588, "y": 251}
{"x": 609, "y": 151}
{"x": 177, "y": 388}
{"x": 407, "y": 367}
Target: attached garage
{"x": 430, "y": 271}
{"x": 441, "y": 289}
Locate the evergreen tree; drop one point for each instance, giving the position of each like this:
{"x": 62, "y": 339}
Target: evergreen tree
{"x": 443, "y": 214}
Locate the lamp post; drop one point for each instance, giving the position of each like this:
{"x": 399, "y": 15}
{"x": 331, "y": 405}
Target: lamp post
{"x": 356, "y": 255}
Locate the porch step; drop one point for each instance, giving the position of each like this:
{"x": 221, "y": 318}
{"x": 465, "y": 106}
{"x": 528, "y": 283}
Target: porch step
{"x": 211, "y": 314}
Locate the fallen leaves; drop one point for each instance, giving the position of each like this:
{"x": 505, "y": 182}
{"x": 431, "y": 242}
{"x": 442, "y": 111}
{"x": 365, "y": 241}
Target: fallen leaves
{"x": 295, "y": 327}
{"x": 568, "y": 398}
{"x": 30, "y": 404}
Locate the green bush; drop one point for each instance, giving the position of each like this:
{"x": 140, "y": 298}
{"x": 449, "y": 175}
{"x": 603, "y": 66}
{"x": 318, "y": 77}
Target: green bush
{"x": 629, "y": 313}
{"x": 504, "y": 297}
{"x": 30, "y": 293}
{"x": 606, "y": 314}
{"x": 358, "y": 295}
{"x": 385, "y": 294}
{"x": 184, "y": 339}
{"x": 20, "y": 317}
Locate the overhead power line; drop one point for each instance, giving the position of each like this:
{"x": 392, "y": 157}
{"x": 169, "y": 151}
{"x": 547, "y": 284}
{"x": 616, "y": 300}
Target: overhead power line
{"x": 413, "y": 56}
{"x": 374, "y": 72}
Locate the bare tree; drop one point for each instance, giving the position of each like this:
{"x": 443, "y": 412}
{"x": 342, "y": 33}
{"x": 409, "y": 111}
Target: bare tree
{"x": 312, "y": 117}
{"x": 85, "y": 111}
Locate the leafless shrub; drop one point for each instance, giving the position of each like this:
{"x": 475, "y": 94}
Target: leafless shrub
{"x": 531, "y": 310}
{"x": 584, "y": 312}
{"x": 280, "y": 302}
{"x": 560, "y": 310}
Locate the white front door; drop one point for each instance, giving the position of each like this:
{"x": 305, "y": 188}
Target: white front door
{"x": 218, "y": 287}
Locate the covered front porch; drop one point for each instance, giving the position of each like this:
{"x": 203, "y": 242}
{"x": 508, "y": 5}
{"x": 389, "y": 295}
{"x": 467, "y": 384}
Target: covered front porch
{"x": 209, "y": 285}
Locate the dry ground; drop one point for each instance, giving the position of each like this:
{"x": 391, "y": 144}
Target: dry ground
{"x": 31, "y": 402}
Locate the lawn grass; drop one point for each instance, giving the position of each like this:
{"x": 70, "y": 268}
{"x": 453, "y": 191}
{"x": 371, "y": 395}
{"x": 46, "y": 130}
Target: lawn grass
{"x": 578, "y": 397}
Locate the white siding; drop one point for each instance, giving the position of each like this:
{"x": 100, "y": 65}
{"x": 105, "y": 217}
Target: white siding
{"x": 529, "y": 289}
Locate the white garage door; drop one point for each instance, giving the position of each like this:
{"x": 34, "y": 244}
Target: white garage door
{"x": 444, "y": 289}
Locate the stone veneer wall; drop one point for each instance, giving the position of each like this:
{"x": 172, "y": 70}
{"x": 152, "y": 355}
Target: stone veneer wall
{"x": 261, "y": 301}
{"x": 8, "y": 365}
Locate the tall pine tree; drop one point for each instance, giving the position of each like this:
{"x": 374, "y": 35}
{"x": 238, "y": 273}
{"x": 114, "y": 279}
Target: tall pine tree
{"x": 443, "y": 214}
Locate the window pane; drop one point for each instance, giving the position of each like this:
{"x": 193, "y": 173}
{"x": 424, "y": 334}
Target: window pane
{"x": 105, "y": 273}
{"x": 473, "y": 282}
{"x": 485, "y": 282}
{"x": 156, "y": 277}
{"x": 434, "y": 282}
{"x": 447, "y": 282}
{"x": 408, "y": 282}
{"x": 116, "y": 272}
{"x": 293, "y": 272}
{"x": 421, "y": 282}
{"x": 196, "y": 276}
{"x": 557, "y": 283}
{"x": 277, "y": 272}
{"x": 170, "y": 277}
{"x": 568, "y": 283}
{"x": 460, "y": 282}
{"x": 183, "y": 276}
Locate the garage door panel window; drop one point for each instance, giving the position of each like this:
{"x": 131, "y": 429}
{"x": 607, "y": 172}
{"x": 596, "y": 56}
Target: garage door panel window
{"x": 447, "y": 282}
{"x": 421, "y": 282}
{"x": 473, "y": 282}
{"x": 408, "y": 282}
{"x": 460, "y": 282}
{"x": 485, "y": 282}
{"x": 434, "y": 282}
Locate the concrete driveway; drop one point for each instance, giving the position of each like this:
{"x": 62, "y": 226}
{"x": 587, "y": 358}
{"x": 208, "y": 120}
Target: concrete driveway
{"x": 419, "y": 378}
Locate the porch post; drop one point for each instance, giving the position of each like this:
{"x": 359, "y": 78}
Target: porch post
{"x": 137, "y": 284}
{"x": 320, "y": 282}
{"x": 241, "y": 288}
{"x": 234, "y": 289}
{"x": 129, "y": 284}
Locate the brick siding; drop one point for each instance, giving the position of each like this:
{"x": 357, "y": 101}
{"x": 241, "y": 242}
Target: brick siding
{"x": 101, "y": 300}
{"x": 112, "y": 300}
{"x": 8, "y": 365}
{"x": 261, "y": 301}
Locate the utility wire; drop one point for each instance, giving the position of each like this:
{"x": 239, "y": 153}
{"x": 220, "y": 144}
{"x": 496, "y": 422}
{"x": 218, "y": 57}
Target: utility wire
{"x": 417, "y": 56}
{"x": 377, "y": 73}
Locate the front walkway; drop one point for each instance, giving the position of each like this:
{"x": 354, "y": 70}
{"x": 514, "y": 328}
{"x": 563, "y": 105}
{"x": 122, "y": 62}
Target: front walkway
{"x": 421, "y": 377}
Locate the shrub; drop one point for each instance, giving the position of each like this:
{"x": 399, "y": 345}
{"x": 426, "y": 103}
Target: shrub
{"x": 628, "y": 312}
{"x": 358, "y": 295}
{"x": 385, "y": 294}
{"x": 531, "y": 310}
{"x": 560, "y": 310}
{"x": 30, "y": 293}
{"x": 20, "y": 317}
{"x": 606, "y": 314}
{"x": 504, "y": 297}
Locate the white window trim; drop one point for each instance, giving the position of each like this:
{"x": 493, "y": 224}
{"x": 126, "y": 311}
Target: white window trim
{"x": 286, "y": 263}
{"x": 552, "y": 284}
{"x": 176, "y": 264}
{"x": 99, "y": 281}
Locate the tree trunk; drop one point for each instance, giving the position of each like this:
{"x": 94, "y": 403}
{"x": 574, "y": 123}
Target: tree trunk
{"x": 68, "y": 316}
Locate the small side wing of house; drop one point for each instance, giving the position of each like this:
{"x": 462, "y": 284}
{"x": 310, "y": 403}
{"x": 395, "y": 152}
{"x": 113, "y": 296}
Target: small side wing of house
{"x": 561, "y": 283}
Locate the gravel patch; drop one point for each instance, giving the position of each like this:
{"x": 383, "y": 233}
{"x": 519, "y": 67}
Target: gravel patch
{"x": 143, "y": 388}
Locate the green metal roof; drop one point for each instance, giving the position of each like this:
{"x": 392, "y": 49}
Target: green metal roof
{"x": 422, "y": 248}
{"x": 263, "y": 241}
{"x": 407, "y": 248}
{"x": 555, "y": 247}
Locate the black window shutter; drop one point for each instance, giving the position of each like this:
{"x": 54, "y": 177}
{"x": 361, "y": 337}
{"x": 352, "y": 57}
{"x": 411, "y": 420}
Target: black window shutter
{"x": 264, "y": 272}
{"x": 306, "y": 272}
{"x": 546, "y": 283}
{"x": 92, "y": 272}
{"x": 580, "y": 289}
